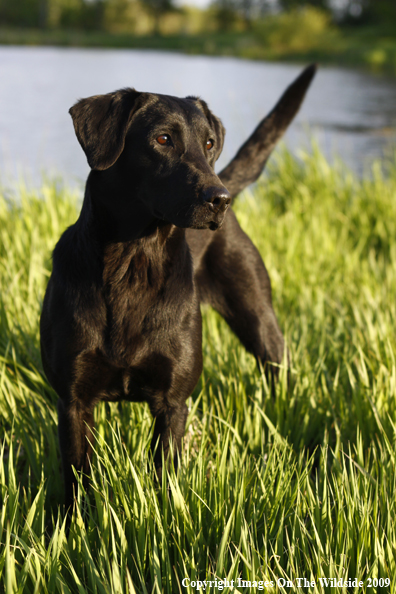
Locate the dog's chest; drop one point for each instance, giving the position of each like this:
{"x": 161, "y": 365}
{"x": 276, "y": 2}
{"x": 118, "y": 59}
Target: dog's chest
{"x": 151, "y": 335}
{"x": 148, "y": 301}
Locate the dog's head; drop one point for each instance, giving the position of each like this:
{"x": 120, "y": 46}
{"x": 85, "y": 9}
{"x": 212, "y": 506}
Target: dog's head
{"x": 161, "y": 148}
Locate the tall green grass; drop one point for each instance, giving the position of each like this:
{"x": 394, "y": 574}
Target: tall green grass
{"x": 302, "y": 485}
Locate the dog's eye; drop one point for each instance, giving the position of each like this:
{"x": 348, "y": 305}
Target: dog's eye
{"x": 209, "y": 144}
{"x": 164, "y": 139}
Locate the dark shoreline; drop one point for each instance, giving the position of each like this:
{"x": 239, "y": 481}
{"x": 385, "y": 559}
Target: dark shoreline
{"x": 359, "y": 49}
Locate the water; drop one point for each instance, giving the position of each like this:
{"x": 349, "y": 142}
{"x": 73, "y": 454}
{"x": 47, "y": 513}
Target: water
{"x": 350, "y": 113}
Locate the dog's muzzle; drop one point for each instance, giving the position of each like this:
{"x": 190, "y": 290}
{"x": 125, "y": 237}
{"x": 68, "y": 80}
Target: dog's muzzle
{"x": 216, "y": 200}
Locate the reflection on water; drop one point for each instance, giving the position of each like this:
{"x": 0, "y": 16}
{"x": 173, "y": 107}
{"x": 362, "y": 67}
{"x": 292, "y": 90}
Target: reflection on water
{"x": 350, "y": 113}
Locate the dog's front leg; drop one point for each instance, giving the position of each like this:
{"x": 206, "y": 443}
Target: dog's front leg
{"x": 75, "y": 424}
{"x": 170, "y": 423}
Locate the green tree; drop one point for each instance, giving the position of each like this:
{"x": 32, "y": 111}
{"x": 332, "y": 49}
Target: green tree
{"x": 82, "y": 14}
{"x": 369, "y": 12}
{"x": 226, "y": 13}
{"x": 384, "y": 11}
{"x": 290, "y": 4}
{"x": 23, "y": 13}
{"x": 157, "y": 8}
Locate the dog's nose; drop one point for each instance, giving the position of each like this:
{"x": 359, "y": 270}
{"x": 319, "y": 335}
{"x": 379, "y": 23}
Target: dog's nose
{"x": 217, "y": 198}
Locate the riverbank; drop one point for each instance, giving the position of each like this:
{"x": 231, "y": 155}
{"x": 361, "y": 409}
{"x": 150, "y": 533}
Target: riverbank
{"x": 368, "y": 48}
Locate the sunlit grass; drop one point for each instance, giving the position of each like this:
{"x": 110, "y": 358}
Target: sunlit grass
{"x": 302, "y": 485}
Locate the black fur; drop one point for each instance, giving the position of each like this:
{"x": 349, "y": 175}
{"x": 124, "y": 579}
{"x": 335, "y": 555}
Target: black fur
{"x": 121, "y": 316}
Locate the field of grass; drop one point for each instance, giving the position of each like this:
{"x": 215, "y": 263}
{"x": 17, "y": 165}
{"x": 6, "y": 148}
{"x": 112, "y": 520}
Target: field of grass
{"x": 302, "y": 485}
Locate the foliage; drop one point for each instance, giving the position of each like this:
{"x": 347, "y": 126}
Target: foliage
{"x": 302, "y": 484}
{"x": 222, "y": 15}
{"x": 367, "y": 11}
{"x": 158, "y": 8}
{"x": 303, "y": 30}
{"x": 25, "y": 13}
{"x": 286, "y": 5}
{"x": 299, "y": 29}
{"x": 125, "y": 16}
{"x": 193, "y": 31}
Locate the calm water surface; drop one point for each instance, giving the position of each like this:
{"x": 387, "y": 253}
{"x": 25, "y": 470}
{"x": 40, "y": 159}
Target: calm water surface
{"x": 350, "y": 113}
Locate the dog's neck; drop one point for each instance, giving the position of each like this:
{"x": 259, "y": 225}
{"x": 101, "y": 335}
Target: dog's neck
{"x": 132, "y": 244}
{"x": 117, "y": 216}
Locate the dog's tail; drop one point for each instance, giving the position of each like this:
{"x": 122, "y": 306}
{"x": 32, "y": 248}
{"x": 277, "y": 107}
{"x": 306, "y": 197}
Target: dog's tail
{"x": 251, "y": 158}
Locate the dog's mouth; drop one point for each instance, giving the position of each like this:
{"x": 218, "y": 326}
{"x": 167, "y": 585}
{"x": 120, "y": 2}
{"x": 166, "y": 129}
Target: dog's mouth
{"x": 206, "y": 218}
{"x": 209, "y": 216}
{"x": 198, "y": 218}
{"x": 213, "y": 224}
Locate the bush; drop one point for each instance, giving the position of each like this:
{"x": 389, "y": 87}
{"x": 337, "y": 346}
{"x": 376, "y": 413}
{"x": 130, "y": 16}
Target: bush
{"x": 298, "y": 30}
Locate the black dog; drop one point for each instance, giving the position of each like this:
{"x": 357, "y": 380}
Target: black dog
{"x": 121, "y": 316}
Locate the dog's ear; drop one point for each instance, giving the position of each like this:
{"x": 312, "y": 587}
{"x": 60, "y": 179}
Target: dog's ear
{"x": 101, "y": 123}
{"x": 251, "y": 158}
{"x": 215, "y": 123}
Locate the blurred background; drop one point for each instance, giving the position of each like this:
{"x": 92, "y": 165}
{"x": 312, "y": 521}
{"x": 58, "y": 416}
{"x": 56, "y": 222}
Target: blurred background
{"x": 239, "y": 55}
{"x": 354, "y": 31}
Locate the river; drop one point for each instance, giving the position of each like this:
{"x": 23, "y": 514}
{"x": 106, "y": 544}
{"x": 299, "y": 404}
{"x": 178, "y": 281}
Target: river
{"x": 350, "y": 113}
